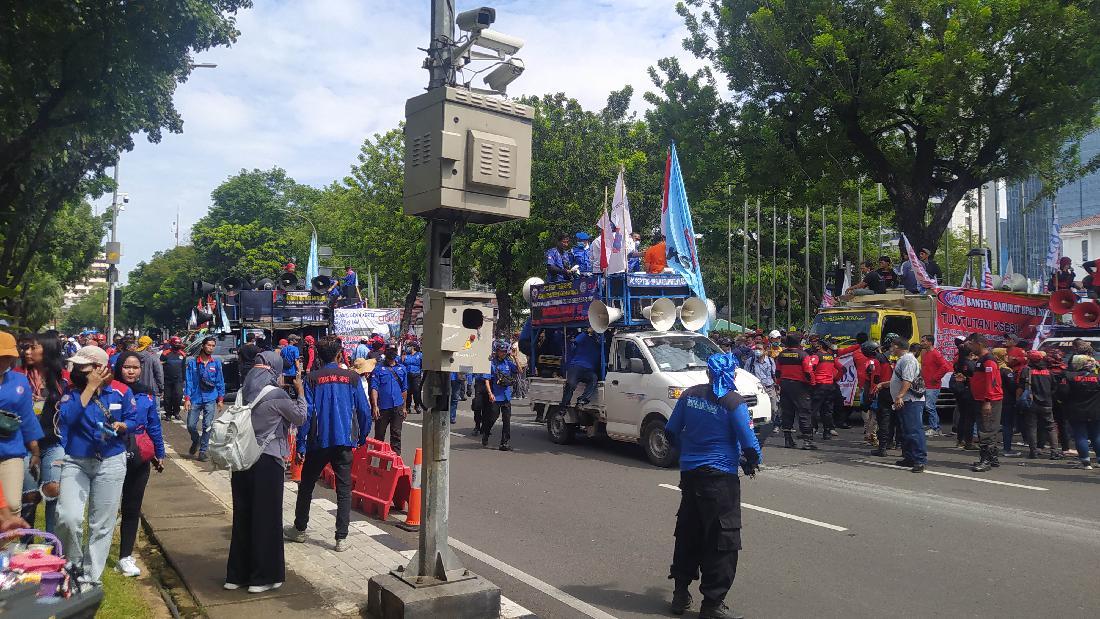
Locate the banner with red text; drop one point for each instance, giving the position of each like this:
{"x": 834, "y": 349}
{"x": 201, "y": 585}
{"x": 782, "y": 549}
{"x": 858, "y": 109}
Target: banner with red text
{"x": 992, "y": 313}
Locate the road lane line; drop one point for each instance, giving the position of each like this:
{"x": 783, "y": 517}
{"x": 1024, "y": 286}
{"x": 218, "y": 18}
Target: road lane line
{"x": 816, "y": 523}
{"x": 529, "y": 580}
{"x": 413, "y": 423}
{"x": 952, "y": 475}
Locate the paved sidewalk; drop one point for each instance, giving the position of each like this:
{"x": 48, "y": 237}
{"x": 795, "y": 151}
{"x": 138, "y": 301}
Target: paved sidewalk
{"x": 188, "y": 509}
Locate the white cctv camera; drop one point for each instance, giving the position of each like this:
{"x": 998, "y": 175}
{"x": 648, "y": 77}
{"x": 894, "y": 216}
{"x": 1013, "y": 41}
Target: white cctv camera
{"x": 503, "y": 44}
{"x": 476, "y": 20}
{"x": 506, "y": 73}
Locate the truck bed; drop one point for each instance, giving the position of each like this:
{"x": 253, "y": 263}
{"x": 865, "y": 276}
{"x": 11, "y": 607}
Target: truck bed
{"x": 544, "y": 391}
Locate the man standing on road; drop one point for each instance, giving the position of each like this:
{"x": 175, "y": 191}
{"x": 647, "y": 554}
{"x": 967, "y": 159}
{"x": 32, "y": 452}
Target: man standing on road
{"x": 985, "y": 386}
{"x": 762, "y": 367}
{"x": 584, "y": 358}
{"x": 907, "y": 391}
{"x": 204, "y": 396}
{"x": 337, "y": 421}
{"x": 174, "y": 362}
{"x": 711, "y": 427}
{"x": 247, "y": 354}
{"x": 823, "y": 392}
{"x": 796, "y": 378}
{"x": 290, "y": 353}
{"x": 389, "y": 385}
{"x": 502, "y": 376}
{"x": 933, "y": 368}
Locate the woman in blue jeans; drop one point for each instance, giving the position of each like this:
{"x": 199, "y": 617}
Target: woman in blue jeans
{"x": 93, "y": 421}
{"x": 1080, "y": 395}
{"x": 44, "y": 366}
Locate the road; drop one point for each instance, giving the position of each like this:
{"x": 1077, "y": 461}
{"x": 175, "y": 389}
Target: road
{"x": 585, "y": 530}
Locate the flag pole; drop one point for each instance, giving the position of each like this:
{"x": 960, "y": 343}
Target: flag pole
{"x": 806, "y": 250}
{"x": 859, "y": 207}
{"x": 824, "y": 251}
{"x": 758, "y": 231}
{"x": 745, "y": 267}
{"x": 771, "y": 322}
{"x": 729, "y": 255}
{"x": 790, "y": 272}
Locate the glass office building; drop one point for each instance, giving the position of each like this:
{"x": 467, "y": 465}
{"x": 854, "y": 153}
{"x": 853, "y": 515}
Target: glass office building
{"x": 1028, "y": 228}
{"x": 1081, "y": 199}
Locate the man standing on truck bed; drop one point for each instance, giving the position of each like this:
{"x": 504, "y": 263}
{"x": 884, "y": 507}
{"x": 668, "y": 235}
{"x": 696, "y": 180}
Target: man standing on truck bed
{"x": 711, "y": 427}
{"x": 559, "y": 260}
{"x": 796, "y": 377}
{"x": 584, "y": 358}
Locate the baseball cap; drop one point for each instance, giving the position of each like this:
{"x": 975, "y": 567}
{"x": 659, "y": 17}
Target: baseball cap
{"x": 7, "y": 345}
{"x": 583, "y": 236}
{"x": 774, "y": 334}
{"x": 90, "y": 355}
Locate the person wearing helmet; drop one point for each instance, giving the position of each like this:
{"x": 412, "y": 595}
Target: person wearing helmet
{"x": 882, "y": 371}
{"x": 503, "y": 375}
{"x": 173, "y": 366}
{"x": 1035, "y": 391}
{"x": 581, "y": 257}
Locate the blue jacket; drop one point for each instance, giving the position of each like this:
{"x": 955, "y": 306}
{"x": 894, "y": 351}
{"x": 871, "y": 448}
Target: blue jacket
{"x": 708, "y": 433}
{"x": 506, "y": 367}
{"x": 581, "y": 258}
{"x": 77, "y": 424}
{"x": 351, "y": 279}
{"x": 15, "y": 397}
{"x": 194, "y": 391}
{"x": 414, "y": 363}
{"x": 389, "y": 382}
{"x": 362, "y": 351}
{"x": 555, "y": 258}
{"x": 147, "y": 421}
{"x": 337, "y": 410}
{"x": 585, "y": 352}
{"x": 290, "y": 359}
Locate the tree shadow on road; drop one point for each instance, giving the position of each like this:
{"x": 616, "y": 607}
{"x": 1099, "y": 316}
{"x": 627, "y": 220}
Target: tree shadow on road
{"x": 653, "y": 601}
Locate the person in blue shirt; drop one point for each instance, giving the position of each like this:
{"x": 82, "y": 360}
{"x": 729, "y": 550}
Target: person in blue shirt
{"x": 559, "y": 261}
{"x": 502, "y": 376}
{"x": 203, "y": 395}
{"x": 350, "y": 284}
{"x": 583, "y": 360}
{"x": 17, "y": 405}
{"x": 146, "y": 421}
{"x": 338, "y": 419}
{"x": 413, "y": 360}
{"x": 389, "y": 385}
{"x": 581, "y": 258}
{"x": 458, "y": 388}
{"x": 94, "y": 419}
{"x": 362, "y": 350}
{"x": 710, "y": 425}
{"x": 290, "y": 353}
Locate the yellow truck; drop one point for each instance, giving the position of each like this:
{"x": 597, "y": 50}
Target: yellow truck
{"x": 908, "y": 315}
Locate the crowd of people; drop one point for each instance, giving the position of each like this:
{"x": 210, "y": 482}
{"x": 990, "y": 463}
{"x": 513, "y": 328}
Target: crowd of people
{"x": 579, "y": 255}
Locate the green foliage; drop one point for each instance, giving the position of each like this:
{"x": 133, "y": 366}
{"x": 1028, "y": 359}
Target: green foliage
{"x": 158, "y": 292}
{"x": 88, "y": 313}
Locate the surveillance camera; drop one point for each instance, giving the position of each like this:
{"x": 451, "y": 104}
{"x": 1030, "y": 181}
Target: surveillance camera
{"x": 499, "y": 78}
{"x": 504, "y": 44}
{"x": 125, "y": 199}
{"x": 476, "y": 20}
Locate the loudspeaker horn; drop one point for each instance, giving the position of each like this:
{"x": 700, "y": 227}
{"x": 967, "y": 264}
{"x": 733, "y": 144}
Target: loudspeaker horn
{"x": 201, "y": 289}
{"x": 694, "y": 314}
{"x": 1014, "y": 283}
{"x": 1062, "y": 302}
{"x": 288, "y": 281}
{"x": 1086, "y": 314}
{"x": 320, "y": 284}
{"x": 234, "y": 284}
{"x": 265, "y": 283}
{"x": 661, "y": 315}
{"x": 202, "y": 317}
{"x": 531, "y": 281}
{"x": 712, "y": 310}
{"x": 601, "y": 317}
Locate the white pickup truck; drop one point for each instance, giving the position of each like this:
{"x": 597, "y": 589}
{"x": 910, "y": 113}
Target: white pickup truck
{"x": 646, "y": 373}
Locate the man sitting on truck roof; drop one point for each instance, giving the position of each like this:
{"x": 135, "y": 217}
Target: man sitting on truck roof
{"x": 872, "y": 282}
{"x": 886, "y": 272}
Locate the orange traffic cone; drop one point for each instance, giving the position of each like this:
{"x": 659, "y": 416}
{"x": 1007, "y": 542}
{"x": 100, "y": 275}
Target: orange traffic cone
{"x": 412, "y": 519}
{"x": 295, "y": 463}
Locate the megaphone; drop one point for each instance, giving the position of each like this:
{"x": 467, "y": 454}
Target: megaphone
{"x": 320, "y": 284}
{"x": 662, "y": 314}
{"x": 694, "y": 314}
{"x": 234, "y": 284}
{"x": 531, "y": 281}
{"x": 712, "y": 310}
{"x": 600, "y": 316}
{"x": 997, "y": 281}
{"x": 1086, "y": 314}
{"x": 288, "y": 281}
{"x": 1062, "y": 302}
{"x": 202, "y": 316}
{"x": 201, "y": 288}
{"x": 265, "y": 284}
{"x": 1015, "y": 283}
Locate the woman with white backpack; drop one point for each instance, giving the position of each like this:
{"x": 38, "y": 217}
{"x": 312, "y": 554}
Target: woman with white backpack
{"x": 256, "y": 544}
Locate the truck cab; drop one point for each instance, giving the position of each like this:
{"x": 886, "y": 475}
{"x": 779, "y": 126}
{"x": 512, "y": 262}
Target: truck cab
{"x": 907, "y": 315}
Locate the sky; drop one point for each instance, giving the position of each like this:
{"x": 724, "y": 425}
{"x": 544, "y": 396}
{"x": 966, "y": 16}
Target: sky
{"x": 309, "y": 80}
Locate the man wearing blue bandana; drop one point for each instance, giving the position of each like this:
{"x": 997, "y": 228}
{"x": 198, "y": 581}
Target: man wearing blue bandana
{"x": 711, "y": 427}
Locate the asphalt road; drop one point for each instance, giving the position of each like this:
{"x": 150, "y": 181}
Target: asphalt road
{"x": 585, "y": 530}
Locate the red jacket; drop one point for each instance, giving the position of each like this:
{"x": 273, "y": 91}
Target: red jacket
{"x": 794, "y": 364}
{"x": 985, "y": 384}
{"x": 860, "y": 360}
{"x": 933, "y": 367}
{"x": 824, "y": 368}
{"x": 880, "y": 370}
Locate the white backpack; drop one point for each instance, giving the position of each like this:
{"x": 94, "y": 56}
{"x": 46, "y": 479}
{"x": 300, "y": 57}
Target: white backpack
{"x": 233, "y": 443}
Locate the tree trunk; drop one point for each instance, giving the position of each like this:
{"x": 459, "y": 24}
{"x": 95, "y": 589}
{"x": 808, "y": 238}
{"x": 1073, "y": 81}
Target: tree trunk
{"x": 410, "y": 301}
{"x": 504, "y": 285}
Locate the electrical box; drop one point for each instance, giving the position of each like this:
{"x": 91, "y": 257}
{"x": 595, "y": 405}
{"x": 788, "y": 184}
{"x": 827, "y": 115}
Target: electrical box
{"x": 458, "y": 330}
{"x": 467, "y": 156}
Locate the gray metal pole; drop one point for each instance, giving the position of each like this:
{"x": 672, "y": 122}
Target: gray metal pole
{"x": 745, "y": 266}
{"x": 824, "y": 251}
{"x": 729, "y": 267}
{"x": 758, "y": 232}
{"x": 859, "y": 207}
{"x": 997, "y": 223}
{"x": 790, "y": 272}
{"x": 111, "y": 281}
{"x": 775, "y": 228}
{"x": 806, "y": 250}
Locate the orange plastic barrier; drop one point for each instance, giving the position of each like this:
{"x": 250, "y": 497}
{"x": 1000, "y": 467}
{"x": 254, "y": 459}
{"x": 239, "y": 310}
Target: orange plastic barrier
{"x": 293, "y": 460}
{"x": 374, "y": 481}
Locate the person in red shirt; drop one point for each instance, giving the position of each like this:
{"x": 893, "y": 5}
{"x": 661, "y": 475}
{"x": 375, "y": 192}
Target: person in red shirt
{"x": 988, "y": 393}
{"x": 822, "y": 394}
{"x": 880, "y": 371}
{"x": 796, "y": 378}
{"x": 933, "y": 367}
{"x": 1017, "y": 357}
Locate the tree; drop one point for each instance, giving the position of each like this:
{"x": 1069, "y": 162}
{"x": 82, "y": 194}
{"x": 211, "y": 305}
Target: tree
{"x": 87, "y": 313}
{"x": 930, "y": 98}
{"x": 158, "y": 292}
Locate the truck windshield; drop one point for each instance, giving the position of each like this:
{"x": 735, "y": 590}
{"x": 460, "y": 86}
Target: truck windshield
{"x": 680, "y": 353}
{"x": 842, "y": 326}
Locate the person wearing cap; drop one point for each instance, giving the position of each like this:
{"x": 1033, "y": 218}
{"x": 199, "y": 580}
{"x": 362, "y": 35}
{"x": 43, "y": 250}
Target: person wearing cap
{"x": 502, "y": 376}
{"x": 152, "y": 374}
{"x": 1062, "y": 279}
{"x": 21, "y": 430}
{"x": 581, "y": 257}
{"x": 1035, "y": 393}
{"x": 310, "y": 361}
{"x": 94, "y": 420}
{"x": 711, "y": 427}
{"x": 204, "y": 395}
{"x": 389, "y": 386}
{"x": 338, "y": 419}
{"x": 173, "y": 369}
{"x": 1080, "y": 394}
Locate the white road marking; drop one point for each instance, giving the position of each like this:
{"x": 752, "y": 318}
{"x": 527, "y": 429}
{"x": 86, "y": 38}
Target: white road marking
{"x": 511, "y": 610}
{"x": 419, "y": 425}
{"x": 954, "y": 476}
{"x": 816, "y": 523}
{"x": 529, "y": 580}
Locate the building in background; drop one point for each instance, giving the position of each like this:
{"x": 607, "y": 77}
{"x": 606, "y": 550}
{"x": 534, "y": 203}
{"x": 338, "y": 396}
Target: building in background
{"x": 97, "y": 277}
{"x": 1081, "y": 199}
{"x": 1027, "y": 231}
{"x": 1081, "y": 241}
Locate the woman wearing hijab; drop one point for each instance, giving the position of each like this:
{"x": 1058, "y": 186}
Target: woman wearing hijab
{"x": 128, "y": 370}
{"x": 44, "y": 367}
{"x": 256, "y": 545}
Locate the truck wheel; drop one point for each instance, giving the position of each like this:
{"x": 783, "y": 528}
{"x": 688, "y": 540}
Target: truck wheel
{"x": 658, "y": 448}
{"x": 560, "y": 431}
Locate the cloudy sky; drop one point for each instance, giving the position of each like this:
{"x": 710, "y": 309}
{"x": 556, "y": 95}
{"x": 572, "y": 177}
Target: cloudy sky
{"x": 308, "y": 80}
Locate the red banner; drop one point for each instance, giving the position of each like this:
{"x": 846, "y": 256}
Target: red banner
{"x": 992, "y": 313}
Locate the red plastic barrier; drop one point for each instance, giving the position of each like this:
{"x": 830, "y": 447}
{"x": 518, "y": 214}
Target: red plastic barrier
{"x": 328, "y": 476}
{"x": 375, "y": 478}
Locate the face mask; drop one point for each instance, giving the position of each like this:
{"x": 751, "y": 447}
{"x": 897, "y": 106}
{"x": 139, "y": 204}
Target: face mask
{"x": 759, "y": 353}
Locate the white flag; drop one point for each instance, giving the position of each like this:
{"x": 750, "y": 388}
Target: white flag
{"x": 615, "y": 229}
{"x": 1009, "y": 272}
{"x": 987, "y": 275}
{"x": 918, "y": 267}
{"x": 1054, "y": 248}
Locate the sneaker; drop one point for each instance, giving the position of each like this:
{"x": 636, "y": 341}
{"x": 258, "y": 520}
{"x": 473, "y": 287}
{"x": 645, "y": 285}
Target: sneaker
{"x": 808, "y": 445}
{"x": 263, "y": 588}
{"x": 1084, "y": 465}
{"x": 202, "y": 457}
{"x": 505, "y": 447}
{"x": 1011, "y": 454}
{"x": 681, "y": 602}
{"x": 484, "y": 440}
{"x": 194, "y": 449}
{"x": 291, "y": 534}
{"x": 342, "y": 545}
{"x": 833, "y": 432}
{"x": 718, "y": 612}
{"x": 982, "y": 467}
{"x": 905, "y": 463}
{"x": 917, "y": 468}
{"x": 231, "y": 586}
{"x": 128, "y": 567}
{"x": 880, "y": 453}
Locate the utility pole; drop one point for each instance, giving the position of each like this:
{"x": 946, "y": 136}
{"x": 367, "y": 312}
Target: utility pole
{"x": 790, "y": 272}
{"x": 806, "y": 250}
{"x": 775, "y": 269}
{"x": 729, "y": 255}
{"x": 745, "y": 267}
{"x": 112, "y": 269}
{"x": 758, "y": 232}
{"x": 859, "y": 207}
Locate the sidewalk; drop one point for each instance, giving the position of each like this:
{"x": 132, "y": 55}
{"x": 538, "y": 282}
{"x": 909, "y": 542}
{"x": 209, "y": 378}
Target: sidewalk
{"x": 188, "y": 510}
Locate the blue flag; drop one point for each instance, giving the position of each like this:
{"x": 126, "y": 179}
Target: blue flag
{"x": 311, "y": 264}
{"x": 681, "y": 250}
